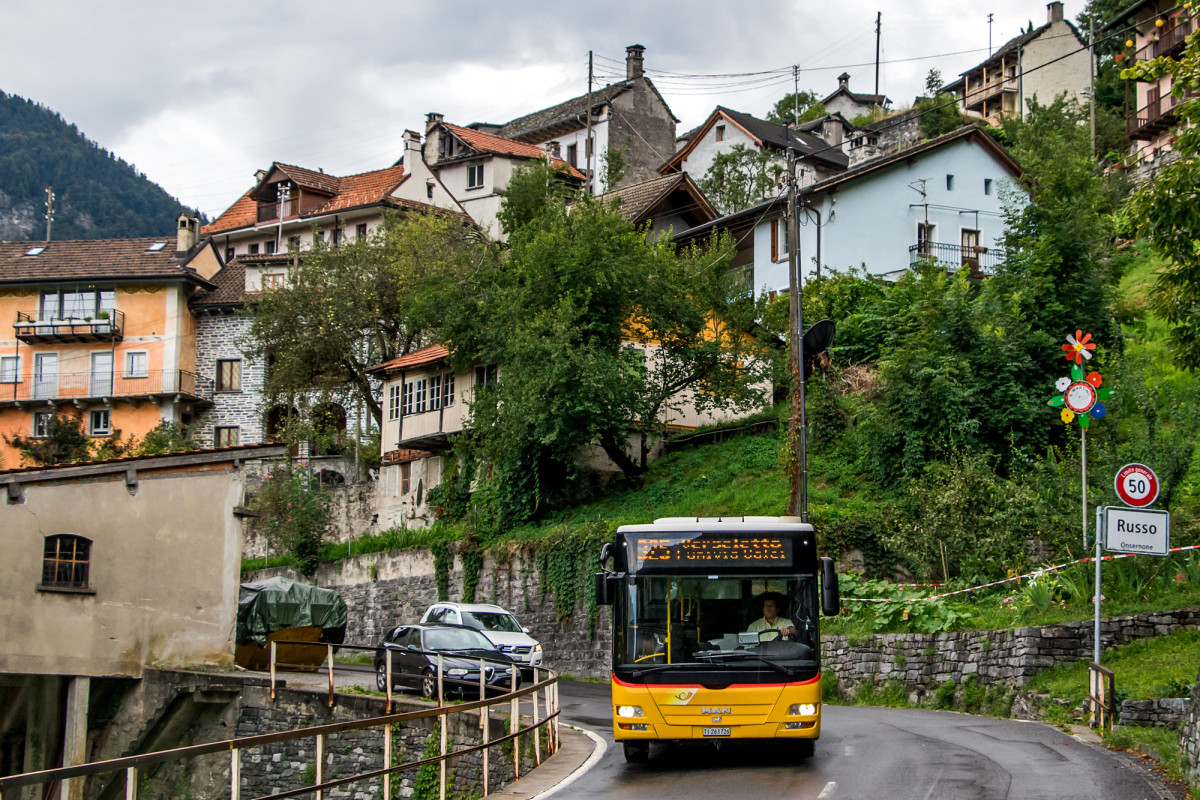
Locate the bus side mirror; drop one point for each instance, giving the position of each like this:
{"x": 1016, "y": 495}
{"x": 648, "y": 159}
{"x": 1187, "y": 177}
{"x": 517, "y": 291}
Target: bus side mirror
{"x": 605, "y": 552}
{"x": 606, "y": 587}
{"x": 831, "y": 602}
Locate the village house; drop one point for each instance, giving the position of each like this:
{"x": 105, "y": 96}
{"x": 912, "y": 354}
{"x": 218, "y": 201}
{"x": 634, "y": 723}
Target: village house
{"x": 938, "y": 201}
{"x": 101, "y": 331}
{"x": 851, "y": 105}
{"x": 1044, "y": 62}
{"x": 1156, "y": 28}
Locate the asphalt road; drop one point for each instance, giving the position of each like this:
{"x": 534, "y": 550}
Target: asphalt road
{"x": 866, "y": 753}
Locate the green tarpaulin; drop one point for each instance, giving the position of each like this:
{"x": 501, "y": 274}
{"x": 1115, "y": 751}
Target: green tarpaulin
{"x": 276, "y": 603}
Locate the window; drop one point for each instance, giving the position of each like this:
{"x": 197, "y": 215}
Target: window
{"x": 573, "y": 155}
{"x": 429, "y": 189}
{"x": 71, "y": 304}
{"x": 269, "y": 247}
{"x": 294, "y": 242}
{"x": 229, "y": 252}
{"x": 337, "y": 235}
{"x": 926, "y": 234}
{"x": 393, "y": 402}
{"x": 273, "y": 280}
{"x": 987, "y": 185}
{"x": 406, "y": 400}
{"x": 65, "y": 562}
{"x": 229, "y": 375}
{"x": 435, "y": 392}
{"x": 135, "y": 364}
{"x": 779, "y": 240}
{"x": 720, "y": 133}
{"x": 475, "y": 176}
{"x": 405, "y": 477}
{"x": 41, "y": 424}
{"x": 99, "y": 422}
{"x": 360, "y": 231}
{"x": 253, "y": 249}
{"x": 421, "y": 390}
{"x": 485, "y": 375}
{"x": 225, "y": 437}
{"x": 949, "y": 183}
{"x": 448, "y": 390}
{"x": 10, "y": 369}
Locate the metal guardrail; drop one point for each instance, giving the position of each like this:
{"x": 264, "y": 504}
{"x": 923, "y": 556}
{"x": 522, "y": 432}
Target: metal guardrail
{"x": 83, "y": 385}
{"x": 545, "y": 714}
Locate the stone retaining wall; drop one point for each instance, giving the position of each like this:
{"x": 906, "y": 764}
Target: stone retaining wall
{"x": 1170, "y": 712}
{"x": 1011, "y": 657}
{"x": 1189, "y": 733}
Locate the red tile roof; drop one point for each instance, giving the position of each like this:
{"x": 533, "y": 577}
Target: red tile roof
{"x": 498, "y": 145}
{"x": 349, "y": 192}
{"x": 417, "y": 358}
{"x": 90, "y": 259}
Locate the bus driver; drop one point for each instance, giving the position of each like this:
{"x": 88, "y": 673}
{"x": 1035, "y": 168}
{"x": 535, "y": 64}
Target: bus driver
{"x": 771, "y": 621}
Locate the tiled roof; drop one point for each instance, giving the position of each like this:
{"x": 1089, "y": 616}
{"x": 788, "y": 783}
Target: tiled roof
{"x": 498, "y": 145}
{"x": 771, "y": 134}
{"x": 349, "y": 192}
{"x": 230, "y": 287}
{"x": 87, "y": 259}
{"x": 640, "y": 198}
{"x": 529, "y": 126}
{"x": 417, "y": 358}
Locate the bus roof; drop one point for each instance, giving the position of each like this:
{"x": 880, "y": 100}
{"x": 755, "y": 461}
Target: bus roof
{"x": 741, "y": 524}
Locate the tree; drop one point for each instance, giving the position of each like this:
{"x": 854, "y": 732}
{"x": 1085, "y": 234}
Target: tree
{"x": 933, "y": 82}
{"x": 349, "y": 307}
{"x": 595, "y": 331}
{"x": 741, "y": 177}
{"x": 1165, "y": 210}
{"x": 64, "y": 443}
{"x": 796, "y": 107}
{"x": 939, "y": 115}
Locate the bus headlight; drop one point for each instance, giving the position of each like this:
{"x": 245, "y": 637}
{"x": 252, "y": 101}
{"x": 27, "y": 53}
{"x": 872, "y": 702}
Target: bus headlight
{"x": 629, "y": 711}
{"x": 802, "y": 710}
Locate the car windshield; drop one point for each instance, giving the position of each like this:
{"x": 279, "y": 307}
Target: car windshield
{"x": 456, "y": 639}
{"x": 491, "y": 621}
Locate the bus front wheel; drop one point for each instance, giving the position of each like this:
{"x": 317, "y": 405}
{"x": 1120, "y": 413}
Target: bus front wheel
{"x": 637, "y": 752}
{"x": 805, "y": 748}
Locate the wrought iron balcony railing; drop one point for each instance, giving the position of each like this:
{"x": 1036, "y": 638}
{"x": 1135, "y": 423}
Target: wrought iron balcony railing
{"x": 953, "y": 256}
{"x": 101, "y": 326}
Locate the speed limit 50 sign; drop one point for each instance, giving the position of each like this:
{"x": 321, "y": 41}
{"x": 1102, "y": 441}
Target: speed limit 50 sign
{"x": 1136, "y": 485}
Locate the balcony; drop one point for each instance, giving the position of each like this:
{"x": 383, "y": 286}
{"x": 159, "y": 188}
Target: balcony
{"x": 82, "y": 387}
{"x": 273, "y": 212}
{"x": 1168, "y": 40}
{"x": 980, "y": 260}
{"x": 56, "y": 330}
{"x": 982, "y": 93}
{"x": 1156, "y": 117}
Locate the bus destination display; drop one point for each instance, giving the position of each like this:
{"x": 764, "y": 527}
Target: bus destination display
{"x": 750, "y": 551}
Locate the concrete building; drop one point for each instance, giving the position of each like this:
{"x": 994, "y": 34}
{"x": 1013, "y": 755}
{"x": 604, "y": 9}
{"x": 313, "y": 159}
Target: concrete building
{"x": 111, "y": 567}
{"x": 1043, "y": 62}
{"x": 940, "y": 200}
{"x": 101, "y": 331}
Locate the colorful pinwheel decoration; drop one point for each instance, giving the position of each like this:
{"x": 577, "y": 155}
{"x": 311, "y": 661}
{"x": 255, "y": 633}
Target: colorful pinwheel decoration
{"x": 1079, "y": 347}
{"x": 1080, "y": 394}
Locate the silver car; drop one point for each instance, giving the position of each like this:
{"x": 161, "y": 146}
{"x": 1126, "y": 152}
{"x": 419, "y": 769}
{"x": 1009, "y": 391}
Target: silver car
{"x": 495, "y": 623}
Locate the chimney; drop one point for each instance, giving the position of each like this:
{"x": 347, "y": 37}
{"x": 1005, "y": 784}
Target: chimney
{"x": 431, "y": 119}
{"x": 432, "y": 153}
{"x": 412, "y": 144}
{"x": 553, "y": 149}
{"x": 832, "y": 131}
{"x": 633, "y": 61}
{"x": 185, "y": 235}
{"x": 844, "y": 81}
{"x": 1054, "y": 12}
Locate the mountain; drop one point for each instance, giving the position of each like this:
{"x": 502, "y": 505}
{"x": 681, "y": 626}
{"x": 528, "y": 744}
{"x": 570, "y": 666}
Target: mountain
{"x": 97, "y": 195}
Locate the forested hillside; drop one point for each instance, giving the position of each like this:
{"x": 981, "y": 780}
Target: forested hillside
{"x": 98, "y": 195}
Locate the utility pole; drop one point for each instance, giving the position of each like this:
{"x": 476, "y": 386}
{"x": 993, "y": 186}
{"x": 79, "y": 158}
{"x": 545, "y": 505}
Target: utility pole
{"x": 49, "y": 210}
{"x": 990, "y": 33}
{"x": 796, "y": 93}
{"x": 878, "y": 30}
{"x": 587, "y": 145}
{"x": 798, "y": 500}
{"x": 1092, "y": 91}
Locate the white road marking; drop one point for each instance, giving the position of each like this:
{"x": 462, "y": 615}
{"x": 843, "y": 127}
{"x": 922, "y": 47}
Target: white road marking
{"x": 849, "y": 750}
{"x": 828, "y": 791}
{"x": 600, "y": 747}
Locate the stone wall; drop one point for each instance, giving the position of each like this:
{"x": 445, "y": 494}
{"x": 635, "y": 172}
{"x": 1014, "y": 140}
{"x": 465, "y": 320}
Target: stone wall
{"x": 383, "y": 590}
{"x": 220, "y": 336}
{"x": 1189, "y": 734}
{"x": 1166, "y": 713}
{"x": 1010, "y": 657}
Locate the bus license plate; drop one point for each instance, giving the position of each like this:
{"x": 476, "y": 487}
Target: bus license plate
{"x": 716, "y": 731}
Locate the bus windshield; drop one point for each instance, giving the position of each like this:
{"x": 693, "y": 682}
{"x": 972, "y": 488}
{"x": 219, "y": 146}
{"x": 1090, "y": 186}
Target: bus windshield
{"x": 719, "y": 622}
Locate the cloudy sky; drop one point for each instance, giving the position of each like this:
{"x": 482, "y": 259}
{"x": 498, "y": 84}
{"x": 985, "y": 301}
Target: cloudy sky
{"x": 199, "y": 96}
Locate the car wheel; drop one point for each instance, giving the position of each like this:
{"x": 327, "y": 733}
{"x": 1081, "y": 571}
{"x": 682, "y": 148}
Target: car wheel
{"x": 637, "y": 752}
{"x": 428, "y": 685}
{"x": 805, "y": 748}
{"x": 381, "y": 677}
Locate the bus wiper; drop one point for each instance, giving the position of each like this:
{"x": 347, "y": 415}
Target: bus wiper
{"x": 786, "y": 670}
{"x": 661, "y": 667}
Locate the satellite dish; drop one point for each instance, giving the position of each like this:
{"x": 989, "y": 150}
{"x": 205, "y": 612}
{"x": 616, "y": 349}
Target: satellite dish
{"x": 817, "y": 340}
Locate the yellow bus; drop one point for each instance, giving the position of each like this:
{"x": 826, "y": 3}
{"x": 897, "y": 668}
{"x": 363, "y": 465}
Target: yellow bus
{"x": 715, "y": 633}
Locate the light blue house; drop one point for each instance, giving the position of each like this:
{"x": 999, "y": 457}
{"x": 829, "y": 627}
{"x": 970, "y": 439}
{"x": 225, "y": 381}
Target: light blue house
{"x": 941, "y": 200}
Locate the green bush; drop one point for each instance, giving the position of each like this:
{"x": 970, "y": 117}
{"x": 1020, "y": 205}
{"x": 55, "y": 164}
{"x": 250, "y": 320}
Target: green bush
{"x": 293, "y": 512}
{"x": 943, "y": 698}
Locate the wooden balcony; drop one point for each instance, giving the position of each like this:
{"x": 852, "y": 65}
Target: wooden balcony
{"x": 107, "y": 328}
{"x": 1168, "y": 40}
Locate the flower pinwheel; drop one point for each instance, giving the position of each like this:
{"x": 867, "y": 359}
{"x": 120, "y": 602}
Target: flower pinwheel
{"x": 1080, "y": 395}
{"x": 1079, "y": 347}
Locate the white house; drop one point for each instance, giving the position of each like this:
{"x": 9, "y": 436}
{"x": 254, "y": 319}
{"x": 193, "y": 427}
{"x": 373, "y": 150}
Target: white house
{"x": 940, "y": 200}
